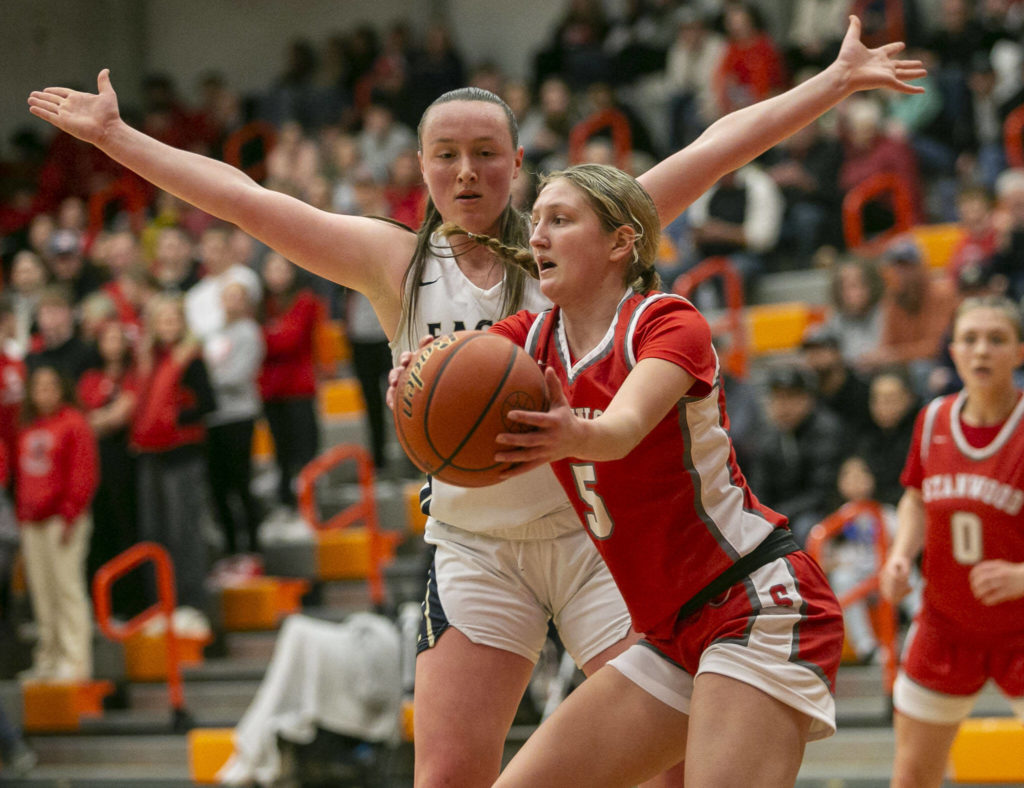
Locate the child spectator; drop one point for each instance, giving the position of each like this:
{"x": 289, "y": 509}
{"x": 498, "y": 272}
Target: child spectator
{"x": 168, "y": 435}
{"x": 108, "y": 395}
{"x": 291, "y": 313}
{"x": 853, "y": 557}
{"x": 233, "y": 356}
{"x": 58, "y": 471}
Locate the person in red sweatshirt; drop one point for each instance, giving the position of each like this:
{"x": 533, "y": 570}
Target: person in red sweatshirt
{"x": 168, "y": 435}
{"x": 287, "y": 380}
{"x": 58, "y": 471}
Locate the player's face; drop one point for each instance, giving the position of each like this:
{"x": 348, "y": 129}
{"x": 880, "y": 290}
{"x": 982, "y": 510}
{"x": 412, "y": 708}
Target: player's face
{"x": 986, "y": 348}
{"x": 468, "y": 162}
{"x": 571, "y": 248}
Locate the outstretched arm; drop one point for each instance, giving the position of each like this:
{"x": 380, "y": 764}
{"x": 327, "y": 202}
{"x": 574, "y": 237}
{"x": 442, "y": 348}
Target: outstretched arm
{"x": 741, "y": 136}
{"x": 363, "y": 254}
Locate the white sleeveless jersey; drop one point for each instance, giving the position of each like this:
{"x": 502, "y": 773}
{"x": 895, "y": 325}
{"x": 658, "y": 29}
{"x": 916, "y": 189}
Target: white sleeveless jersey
{"x": 448, "y": 301}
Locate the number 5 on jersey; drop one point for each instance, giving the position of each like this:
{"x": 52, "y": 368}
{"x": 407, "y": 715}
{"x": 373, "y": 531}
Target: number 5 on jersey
{"x": 599, "y": 522}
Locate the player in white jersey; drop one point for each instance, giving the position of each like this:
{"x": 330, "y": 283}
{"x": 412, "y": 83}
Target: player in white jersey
{"x": 469, "y": 684}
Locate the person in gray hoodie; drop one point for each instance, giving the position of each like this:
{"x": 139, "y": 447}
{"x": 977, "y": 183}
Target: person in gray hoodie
{"x": 233, "y": 355}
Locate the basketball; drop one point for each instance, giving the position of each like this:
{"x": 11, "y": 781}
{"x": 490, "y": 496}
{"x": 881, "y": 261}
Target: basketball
{"x": 452, "y": 401}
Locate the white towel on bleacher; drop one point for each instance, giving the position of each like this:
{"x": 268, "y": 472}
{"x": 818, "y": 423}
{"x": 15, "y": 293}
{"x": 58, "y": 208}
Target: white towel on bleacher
{"x": 343, "y": 677}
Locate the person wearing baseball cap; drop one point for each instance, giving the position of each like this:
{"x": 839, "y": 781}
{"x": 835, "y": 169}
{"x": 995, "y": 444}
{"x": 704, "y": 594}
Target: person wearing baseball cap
{"x": 916, "y": 312}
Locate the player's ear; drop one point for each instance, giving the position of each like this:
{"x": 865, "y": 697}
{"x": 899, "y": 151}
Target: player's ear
{"x": 624, "y": 238}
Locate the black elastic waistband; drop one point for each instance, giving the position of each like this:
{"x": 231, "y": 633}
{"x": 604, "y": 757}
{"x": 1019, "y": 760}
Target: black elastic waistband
{"x": 778, "y": 543}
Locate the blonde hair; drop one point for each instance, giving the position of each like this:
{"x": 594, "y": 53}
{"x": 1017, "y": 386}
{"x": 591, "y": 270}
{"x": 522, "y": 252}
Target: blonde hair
{"x": 617, "y": 199}
{"x": 997, "y": 302}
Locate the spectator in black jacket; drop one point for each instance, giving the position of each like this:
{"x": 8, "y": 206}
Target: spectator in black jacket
{"x": 885, "y": 443}
{"x": 797, "y": 463}
{"x": 839, "y": 388}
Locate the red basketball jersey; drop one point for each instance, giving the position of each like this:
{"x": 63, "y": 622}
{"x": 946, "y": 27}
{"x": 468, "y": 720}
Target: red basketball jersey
{"x": 973, "y": 499}
{"x": 675, "y": 512}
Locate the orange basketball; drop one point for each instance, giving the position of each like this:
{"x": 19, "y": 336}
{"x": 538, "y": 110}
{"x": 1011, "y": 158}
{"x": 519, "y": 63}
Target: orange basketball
{"x": 453, "y": 399}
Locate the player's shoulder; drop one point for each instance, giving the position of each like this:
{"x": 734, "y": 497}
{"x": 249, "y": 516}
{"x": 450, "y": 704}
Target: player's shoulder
{"x": 662, "y": 310}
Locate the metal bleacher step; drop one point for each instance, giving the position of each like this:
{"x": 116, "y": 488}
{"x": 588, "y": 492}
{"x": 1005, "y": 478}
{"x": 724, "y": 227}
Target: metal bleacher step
{"x": 227, "y": 699}
{"x": 810, "y": 285}
{"x": 91, "y": 761}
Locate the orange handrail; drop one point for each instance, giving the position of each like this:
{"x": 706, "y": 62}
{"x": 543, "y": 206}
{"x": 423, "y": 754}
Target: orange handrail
{"x": 129, "y": 192}
{"x": 233, "y": 145}
{"x": 885, "y": 621}
{"x": 364, "y": 510}
{"x": 853, "y": 211}
{"x": 737, "y": 357}
{"x": 622, "y": 137}
{"x": 1013, "y": 137}
{"x": 117, "y": 567}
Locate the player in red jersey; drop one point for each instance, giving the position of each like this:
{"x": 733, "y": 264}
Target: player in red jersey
{"x": 964, "y": 480}
{"x": 742, "y": 633}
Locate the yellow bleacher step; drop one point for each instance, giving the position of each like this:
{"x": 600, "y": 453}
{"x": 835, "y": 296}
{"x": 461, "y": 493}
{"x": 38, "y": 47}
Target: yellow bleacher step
{"x": 344, "y": 553}
{"x": 50, "y": 707}
{"x": 774, "y": 328}
{"x": 937, "y": 242}
{"x": 414, "y": 514}
{"x": 261, "y": 602}
{"x": 341, "y": 397}
{"x": 208, "y": 751}
{"x": 988, "y": 750}
{"x": 145, "y": 656}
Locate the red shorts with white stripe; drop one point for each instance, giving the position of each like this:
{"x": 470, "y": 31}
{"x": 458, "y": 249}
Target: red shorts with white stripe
{"x": 780, "y": 629}
{"x": 943, "y": 671}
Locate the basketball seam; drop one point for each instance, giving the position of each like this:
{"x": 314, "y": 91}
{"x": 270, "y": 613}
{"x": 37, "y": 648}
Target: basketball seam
{"x": 448, "y": 461}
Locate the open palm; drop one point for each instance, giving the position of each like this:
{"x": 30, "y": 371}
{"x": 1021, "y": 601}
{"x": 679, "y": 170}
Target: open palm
{"x": 83, "y": 115}
{"x": 868, "y": 69}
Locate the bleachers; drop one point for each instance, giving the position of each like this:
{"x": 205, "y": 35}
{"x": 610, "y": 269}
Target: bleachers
{"x": 137, "y": 746}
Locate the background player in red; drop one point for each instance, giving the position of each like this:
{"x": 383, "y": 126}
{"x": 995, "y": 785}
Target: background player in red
{"x": 963, "y": 504}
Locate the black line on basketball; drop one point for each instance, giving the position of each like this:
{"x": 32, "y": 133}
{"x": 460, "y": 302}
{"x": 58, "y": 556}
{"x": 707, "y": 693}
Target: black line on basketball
{"x": 447, "y": 463}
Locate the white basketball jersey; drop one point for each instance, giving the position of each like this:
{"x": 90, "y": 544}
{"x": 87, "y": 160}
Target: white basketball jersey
{"x": 448, "y": 301}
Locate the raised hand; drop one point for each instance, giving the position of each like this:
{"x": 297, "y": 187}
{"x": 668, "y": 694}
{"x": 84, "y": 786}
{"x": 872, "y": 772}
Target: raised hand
{"x": 83, "y": 115}
{"x": 867, "y": 69}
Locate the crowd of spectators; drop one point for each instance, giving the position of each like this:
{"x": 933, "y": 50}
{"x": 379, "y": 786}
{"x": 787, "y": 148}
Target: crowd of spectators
{"x": 176, "y": 333}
